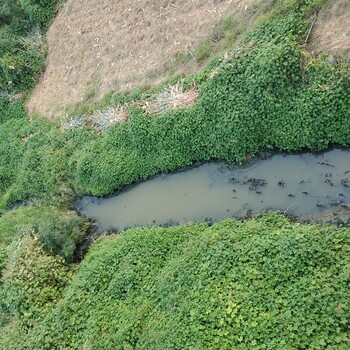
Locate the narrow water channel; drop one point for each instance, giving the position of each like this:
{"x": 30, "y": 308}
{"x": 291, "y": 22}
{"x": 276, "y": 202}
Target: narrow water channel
{"x": 296, "y": 184}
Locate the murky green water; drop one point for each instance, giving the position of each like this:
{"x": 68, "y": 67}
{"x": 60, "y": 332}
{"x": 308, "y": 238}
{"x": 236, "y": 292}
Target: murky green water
{"x": 297, "y": 184}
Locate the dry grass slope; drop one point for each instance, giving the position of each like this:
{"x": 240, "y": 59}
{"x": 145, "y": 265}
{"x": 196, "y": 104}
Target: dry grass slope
{"x": 331, "y": 32}
{"x": 97, "y": 46}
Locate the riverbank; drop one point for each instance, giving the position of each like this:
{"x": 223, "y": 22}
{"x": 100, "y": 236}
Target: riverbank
{"x": 267, "y": 93}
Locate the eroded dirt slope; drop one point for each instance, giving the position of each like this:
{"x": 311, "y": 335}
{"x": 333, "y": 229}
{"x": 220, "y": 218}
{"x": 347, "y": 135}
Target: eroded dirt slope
{"x": 96, "y": 46}
{"x": 331, "y": 32}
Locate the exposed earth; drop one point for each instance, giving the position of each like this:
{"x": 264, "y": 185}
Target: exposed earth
{"x": 100, "y": 46}
{"x": 331, "y": 32}
{"x": 96, "y": 47}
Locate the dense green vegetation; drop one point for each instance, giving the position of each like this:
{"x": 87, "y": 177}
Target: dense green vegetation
{"x": 259, "y": 284}
{"x": 22, "y": 47}
{"x": 269, "y": 94}
{"x": 31, "y": 285}
{"x": 59, "y": 231}
{"x": 262, "y": 284}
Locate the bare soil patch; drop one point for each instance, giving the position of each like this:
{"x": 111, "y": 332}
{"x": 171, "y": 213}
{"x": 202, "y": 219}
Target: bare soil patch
{"x": 98, "y": 46}
{"x": 331, "y": 32}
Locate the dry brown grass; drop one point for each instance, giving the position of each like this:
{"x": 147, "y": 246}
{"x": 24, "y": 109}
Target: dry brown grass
{"x": 98, "y": 46}
{"x": 331, "y": 32}
{"x": 99, "y": 120}
{"x": 172, "y": 98}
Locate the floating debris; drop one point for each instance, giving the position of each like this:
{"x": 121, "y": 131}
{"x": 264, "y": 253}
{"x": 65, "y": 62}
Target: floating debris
{"x": 346, "y": 181}
{"x": 328, "y": 181}
{"x": 233, "y": 180}
{"x": 325, "y": 163}
{"x": 336, "y": 203}
{"x": 255, "y": 183}
{"x": 305, "y": 181}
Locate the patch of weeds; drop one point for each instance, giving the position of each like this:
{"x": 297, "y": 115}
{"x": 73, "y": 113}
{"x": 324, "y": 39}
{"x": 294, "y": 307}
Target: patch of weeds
{"x": 172, "y": 98}
{"x": 90, "y": 93}
{"x": 91, "y": 89}
{"x": 99, "y": 120}
{"x": 73, "y": 123}
{"x": 203, "y": 51}
{"x": 227, "y": 33}
{"x": 181, "y": 58}
{"x": 34, "y": 41}
{"x": 111, "y": 99}
{"x": 221, "y": 30}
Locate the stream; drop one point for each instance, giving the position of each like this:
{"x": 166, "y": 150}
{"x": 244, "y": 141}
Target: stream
{"x": 304, "y": 184}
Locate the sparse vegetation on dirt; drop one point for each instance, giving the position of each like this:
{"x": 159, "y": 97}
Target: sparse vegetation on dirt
{"x": 103, "y": 46}
{"x": 331, "y": 33}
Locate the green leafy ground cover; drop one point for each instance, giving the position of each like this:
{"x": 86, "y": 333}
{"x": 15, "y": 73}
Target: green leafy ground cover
{"x": 271, "y": 95}
{"x": 265, "y": 283}
{"x": 285, "y": 285}
{"x": 31, "y": 284}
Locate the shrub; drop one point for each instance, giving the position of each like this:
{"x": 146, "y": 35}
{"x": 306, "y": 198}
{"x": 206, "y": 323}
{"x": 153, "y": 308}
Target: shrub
{"x": 59, "y": 231}
{"x": 32, "y": 281}
{"x": 21, "y": 59}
